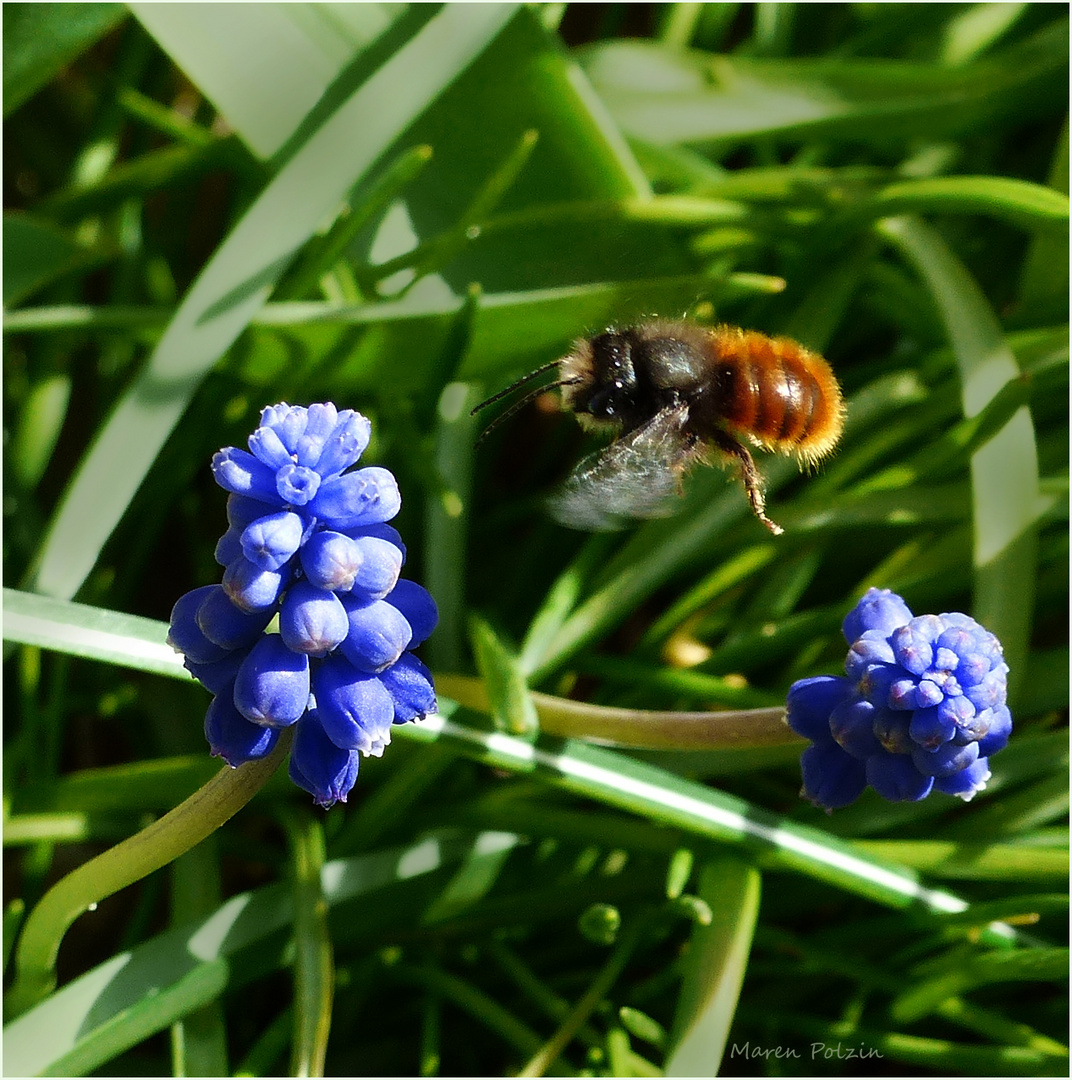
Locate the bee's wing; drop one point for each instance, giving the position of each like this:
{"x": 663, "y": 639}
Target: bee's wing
{"x": 637, "y": 476}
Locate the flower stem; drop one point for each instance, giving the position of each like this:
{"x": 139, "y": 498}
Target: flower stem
{"x": 129, "y": 861}
{"x": 639, "y": 728}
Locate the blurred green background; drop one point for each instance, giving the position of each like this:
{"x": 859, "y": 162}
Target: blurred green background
{"x": 402, "y": 208}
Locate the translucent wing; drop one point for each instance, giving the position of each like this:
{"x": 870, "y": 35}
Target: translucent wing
{"x": 637, "y": 476}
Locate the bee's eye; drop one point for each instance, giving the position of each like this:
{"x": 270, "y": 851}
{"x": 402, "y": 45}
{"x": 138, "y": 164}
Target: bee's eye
{"x": 603, "y": 403}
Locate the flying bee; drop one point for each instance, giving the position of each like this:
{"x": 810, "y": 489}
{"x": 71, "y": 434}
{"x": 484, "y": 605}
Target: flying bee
{"x": 673, "y": 392}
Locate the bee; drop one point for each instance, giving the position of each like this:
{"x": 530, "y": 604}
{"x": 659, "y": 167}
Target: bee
{"x": 672, "y": 393}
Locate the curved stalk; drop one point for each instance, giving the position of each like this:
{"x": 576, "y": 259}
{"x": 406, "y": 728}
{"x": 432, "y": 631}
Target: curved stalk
{"x": 129, "y": 861}
{"x": 639, "y": 728}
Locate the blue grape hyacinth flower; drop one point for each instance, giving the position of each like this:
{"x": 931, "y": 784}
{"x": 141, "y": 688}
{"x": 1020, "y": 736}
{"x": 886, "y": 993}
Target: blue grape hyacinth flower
{"x": 307, "y": 551}
{"x": 921, "y": 707}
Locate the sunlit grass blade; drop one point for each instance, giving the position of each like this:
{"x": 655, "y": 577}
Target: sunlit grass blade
{"x": 95, "y": 633}
{"x": 715, "y": 967}
{"x": 199, "y": 1039}
{"x": 1005, "y": 486}
{"x": 299, "y": 44}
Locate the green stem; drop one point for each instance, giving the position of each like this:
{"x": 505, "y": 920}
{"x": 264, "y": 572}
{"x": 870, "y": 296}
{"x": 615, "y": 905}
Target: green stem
{"x": 314, "y": 963}
{"x": 638, "y": 728}
{"x": 166, "y": 839}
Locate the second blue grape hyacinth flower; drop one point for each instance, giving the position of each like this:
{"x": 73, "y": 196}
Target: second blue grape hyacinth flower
{"x": 921, "y": 707}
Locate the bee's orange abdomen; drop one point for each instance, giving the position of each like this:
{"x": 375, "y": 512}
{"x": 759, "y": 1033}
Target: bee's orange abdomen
{"x": 777, "y": 392}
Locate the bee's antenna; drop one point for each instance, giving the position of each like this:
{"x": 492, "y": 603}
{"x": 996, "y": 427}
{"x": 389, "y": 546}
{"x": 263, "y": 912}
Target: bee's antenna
{"x": 519, "y": 405}
{"x": 513, "y": 386}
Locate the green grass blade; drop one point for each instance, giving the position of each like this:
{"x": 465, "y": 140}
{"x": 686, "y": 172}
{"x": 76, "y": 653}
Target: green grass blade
{"x": 504, "y": 681}
{"x": 966, "y": 974}
{"x": 1005, "y": 483}
{"x": 39, "y": 39}
{"x": 228, "y": 50}
{"x": 671, "y": 96}
{"x": 314, "y": 964}
{"x": 1030, "y": 206}
{"x": 90, "y": 632}
{"x": 36, "y": 253}
{"x": 715, "y": 967}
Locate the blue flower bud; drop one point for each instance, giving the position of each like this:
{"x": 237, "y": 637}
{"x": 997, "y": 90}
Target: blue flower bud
{"x": 271, "y": 540}
{"x": 879, "y": 609}
{"x": 931, "y": 727}
{"x": 870, "y": 649}
{"x": 312, "y": 620}
{"x": 345, "y": 444}
{"x": 241, "y": 473}
{"x": 928, "y": 693}
{"x": 297, "y": 485}
{"x": 895, "y": 777}
{"x": 971, "y": 667}
{"x": 913, "y": 645}
{"x": 891, "y": 730}
{"x": 227, "y": 625}
{"x": 409, "y": 683}
{"x": 218, "y": 678}
{"x": 232, "y": 737}
{"x": 832, "y": 779}
{"x": 228, "y": 547}
{"x": 928, "y": 704}
{"x": 989, "y": 692}
{"x": 945, "y": 760}
{"x": 966, "y": 783}
{"x": 184, "y": 634}
{"x": 903, "y": 694}
{"x": 289, "y": 421}
{"x": 355, "y": 709}
{"x": 252, "y": 588}
{"x": 320, "y": 422}
{"x": 379, "y": 634}
{"x": 381, "y": 563}
{"x": 381, "y": 530}
{"x": 331, "y": 560}
{"x": 810, "y": 703}
{"x": 997, "y": 734}
{"x": 417, "y": 605}
{"x": 366, "y": 497}
{"x": 852, "y": 723}
{"x": 319, "y": 766}
{"x": 272, "y": 686}
{"x": 241, "y": 511}
{"x": 269, "y": 449}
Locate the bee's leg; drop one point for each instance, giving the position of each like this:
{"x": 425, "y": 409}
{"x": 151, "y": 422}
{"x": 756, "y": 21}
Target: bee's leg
{"x": 753, "y": 483}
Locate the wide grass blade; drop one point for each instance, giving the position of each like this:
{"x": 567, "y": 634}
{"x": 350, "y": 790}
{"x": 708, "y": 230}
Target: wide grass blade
{"x": 236, "y": 282}
{"x": 1005, "y": 483}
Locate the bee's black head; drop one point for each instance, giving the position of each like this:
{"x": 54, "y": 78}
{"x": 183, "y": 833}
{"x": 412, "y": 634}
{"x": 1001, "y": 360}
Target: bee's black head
{"x": 605, "y": 380}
